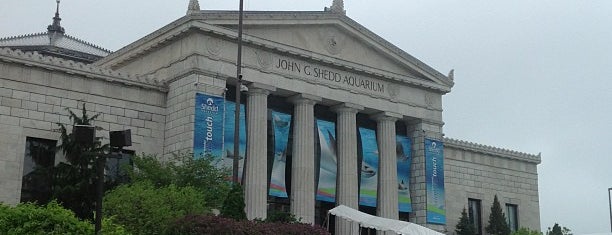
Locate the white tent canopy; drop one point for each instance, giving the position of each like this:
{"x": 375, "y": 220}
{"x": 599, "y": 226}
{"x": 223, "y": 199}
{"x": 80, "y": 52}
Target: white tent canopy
{"x": 379, "y": 223}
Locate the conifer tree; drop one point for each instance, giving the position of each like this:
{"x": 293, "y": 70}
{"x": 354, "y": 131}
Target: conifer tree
{"x": 464, "y": 227}
{"x": 74, "y": 181}
{"x": 497, "y": 220}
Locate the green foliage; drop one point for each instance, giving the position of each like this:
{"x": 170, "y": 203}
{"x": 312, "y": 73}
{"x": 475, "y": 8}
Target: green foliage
{"x": 28, "y": 218}
{"x": 464, "y": 227}
{"x": 74, "y": 181}
{"x": 184, "y": 170}
{"x": 144, "y": 209}
{"x": 526, "y": 231}
{"x": 50, "y": 219}
{"x": 110, "y": 227}
{"x": 281, "y": 217}
{"x": 558, "y": 230}
{"x": 497, "y": 220}
{"x": 233, "y": 206}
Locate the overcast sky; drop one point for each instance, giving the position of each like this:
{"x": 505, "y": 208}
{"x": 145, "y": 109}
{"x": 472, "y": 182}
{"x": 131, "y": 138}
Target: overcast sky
{"x": 532, "y": 76}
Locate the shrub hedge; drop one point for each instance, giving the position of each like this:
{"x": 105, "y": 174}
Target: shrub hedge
{"x": 28, "y": 218}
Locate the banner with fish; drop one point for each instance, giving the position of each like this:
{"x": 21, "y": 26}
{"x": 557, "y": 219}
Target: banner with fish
{"x": 404, "y": 160}
{"x": 369, "y": 167}
{"x": 326, "y": 190}
{"x": 208, "y": 124}
{"x": 281, "y": 123}
{"x": 228, "y": 154}
{"x": 434, "y": 173}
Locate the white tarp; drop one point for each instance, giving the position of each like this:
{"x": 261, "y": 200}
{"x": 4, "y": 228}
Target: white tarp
{"x": 381, "y": 224}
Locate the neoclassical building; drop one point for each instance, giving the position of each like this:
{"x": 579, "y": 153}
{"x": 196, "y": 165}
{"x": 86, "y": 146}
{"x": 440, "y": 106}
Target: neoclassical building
{"x": 332, "y": 114}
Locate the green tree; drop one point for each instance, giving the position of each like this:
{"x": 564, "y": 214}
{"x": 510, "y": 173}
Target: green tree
{"x": 184, "y": 170}
{"x": 464, "y": 227}
{"x": 233, "y": 206}
{"x": 558, "y": 230}
{"x": 74, "y": 181}
{"x": 143, "y": 208}
{"x": 497, "y": 220}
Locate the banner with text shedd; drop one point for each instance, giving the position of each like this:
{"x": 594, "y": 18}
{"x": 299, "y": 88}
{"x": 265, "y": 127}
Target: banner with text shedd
{"x": 434, "y": 173}
{"x": 208, "y": 133}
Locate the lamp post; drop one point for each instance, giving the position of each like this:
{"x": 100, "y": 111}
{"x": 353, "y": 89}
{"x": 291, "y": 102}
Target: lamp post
{"x": 610, "y": 204}
{"x": 118, "y": 140}
{"x": 237, "y": 107}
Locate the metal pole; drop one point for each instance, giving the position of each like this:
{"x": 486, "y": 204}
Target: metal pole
{"x": 610, "y": 203}
{"x": 100, "y": 191}
{"x": 237, "y": 107}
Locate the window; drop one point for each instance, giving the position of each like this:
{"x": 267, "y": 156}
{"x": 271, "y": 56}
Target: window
{"x": 475, "y": 214}
{"x": 38, "y": 164}
{"x": 512, "y": 216}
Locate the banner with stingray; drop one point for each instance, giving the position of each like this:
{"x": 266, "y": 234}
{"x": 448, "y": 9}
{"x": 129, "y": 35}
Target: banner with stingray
{"x": 369, "y": 167}
{"x": 228, "y": 154}
{"x": 281, "y": 124}
{"x": 326, "y": 190}
{"x": 404, "y": 160}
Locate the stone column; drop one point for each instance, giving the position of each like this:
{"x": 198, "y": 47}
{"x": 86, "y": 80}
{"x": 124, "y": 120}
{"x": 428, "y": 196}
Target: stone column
{"x": 255, "y": 179}
{"x": 387, "y": 199}
{"x": 419, "y": 130}
{"x": 347, "y": 192}
{"x": 303, "y": 160}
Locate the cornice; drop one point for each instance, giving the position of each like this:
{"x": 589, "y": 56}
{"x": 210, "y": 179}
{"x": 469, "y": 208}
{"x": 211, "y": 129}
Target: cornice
{"x": 485, "y": 149}
{"x": 25, "y": 36}
{"x": 71, "y": 67}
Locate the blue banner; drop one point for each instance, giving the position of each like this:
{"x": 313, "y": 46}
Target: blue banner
{"x": 434, "y": 173}
{"x": 404, "y": 160}
{"x": 281, "y": 123}
{"x": 328, "y": 165}
{"x": 228, "y": 155}
{"x": 369, "y": 168}
{"x": 208, "y": 133}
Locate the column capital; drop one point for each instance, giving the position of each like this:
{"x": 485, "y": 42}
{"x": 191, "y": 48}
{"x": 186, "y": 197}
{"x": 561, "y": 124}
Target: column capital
{"x": 260, "y": 88}
{"x": 347, "y": 107}
{"x": 304, "y": 99}
{"x": 386, "y": 116}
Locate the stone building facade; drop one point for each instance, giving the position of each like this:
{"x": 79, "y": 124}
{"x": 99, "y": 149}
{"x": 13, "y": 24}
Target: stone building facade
{"x": 315, "y": 64}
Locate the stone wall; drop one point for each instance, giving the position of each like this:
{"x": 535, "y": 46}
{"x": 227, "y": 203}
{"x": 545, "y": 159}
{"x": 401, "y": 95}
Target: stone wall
{"x": 481, "y": 172}
{"x": 35, "y": 92}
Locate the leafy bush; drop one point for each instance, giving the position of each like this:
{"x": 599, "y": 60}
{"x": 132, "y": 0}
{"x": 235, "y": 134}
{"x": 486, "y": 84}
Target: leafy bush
{"x": 233, "y": 206}
{"x": 50, "y": 219}
{"x": 281, "y": 217}
{"x": 194, "y": 224}
{"x": 185, "y": 170}
{"x": 526, "y": 231}
{"x": 145, "y": 209}
{"x": 110, "y": 227}
{"x": 28, "y": 218}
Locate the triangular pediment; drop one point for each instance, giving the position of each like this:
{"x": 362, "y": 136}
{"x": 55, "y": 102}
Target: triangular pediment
{"x": 331, "y": 35}
{"x": 329, "y": 38}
